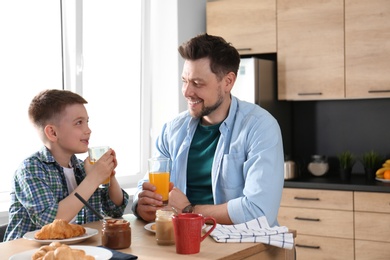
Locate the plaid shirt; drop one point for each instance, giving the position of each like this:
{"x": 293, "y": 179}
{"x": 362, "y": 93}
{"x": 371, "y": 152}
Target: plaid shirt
{"x": 39, "y": 185}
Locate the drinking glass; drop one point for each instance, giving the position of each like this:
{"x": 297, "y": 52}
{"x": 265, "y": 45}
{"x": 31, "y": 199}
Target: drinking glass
{"x": 94, "y": 154}
{"x": 159, "y": 172}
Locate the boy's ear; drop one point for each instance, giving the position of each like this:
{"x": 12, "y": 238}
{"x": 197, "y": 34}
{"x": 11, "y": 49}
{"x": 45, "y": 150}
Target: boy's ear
{"x": 50, "y": 132}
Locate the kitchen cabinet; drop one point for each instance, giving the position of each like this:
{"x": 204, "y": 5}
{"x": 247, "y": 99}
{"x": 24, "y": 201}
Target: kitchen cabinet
{"x": 337, "y": 224}
{"x": 367, "y": 48}
{"x": 323, "y": 220}
{"x": 250, "y": 27}
{"x": 372, "y": 228}
{"x": 310, "y": 49}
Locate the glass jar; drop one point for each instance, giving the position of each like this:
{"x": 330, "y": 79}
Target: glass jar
{"x": 165, "y": 234}
{"x": 318, "y": 165}
{"x": 116, "y": 233}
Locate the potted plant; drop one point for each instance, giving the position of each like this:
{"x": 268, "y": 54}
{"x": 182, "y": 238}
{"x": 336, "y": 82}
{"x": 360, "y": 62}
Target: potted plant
{"x": 346, "y": 160}
{"x": 371, "y": 162}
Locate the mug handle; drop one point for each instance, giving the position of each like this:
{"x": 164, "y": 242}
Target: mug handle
{"x": 211, "y": 229}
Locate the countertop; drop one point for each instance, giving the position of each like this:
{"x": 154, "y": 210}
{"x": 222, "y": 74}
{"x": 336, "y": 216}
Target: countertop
{"x": 358, "y": 182}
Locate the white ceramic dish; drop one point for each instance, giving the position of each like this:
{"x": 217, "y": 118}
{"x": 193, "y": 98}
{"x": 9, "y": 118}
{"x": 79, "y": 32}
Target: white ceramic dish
{"x": 89, "y": 232}
{"x": 149, "y": 227}
{"x": 382, "y": 180}
{"x": 98, "y": 252}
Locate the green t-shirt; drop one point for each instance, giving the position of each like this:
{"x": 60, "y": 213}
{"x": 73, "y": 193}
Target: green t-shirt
{"x": 200, "y": 161}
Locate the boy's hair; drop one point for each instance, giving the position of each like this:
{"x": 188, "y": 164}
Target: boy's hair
{"x": 50, "y": 103}
{"x": 224, "y": 58}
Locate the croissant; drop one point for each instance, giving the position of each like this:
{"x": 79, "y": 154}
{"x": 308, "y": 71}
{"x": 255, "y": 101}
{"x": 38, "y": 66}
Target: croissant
{"x": 57, "y": 251}
{"x": 59, "y": 229}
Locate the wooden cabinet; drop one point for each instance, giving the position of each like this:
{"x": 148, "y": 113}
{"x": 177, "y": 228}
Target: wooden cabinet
{"x": 367, "y": 48}
{"x": 372, "y": 225}
{"x": 323, "y": 220}
{"x": 337, "y": 224}
{"x": 315, "y": 247}
{"x": 310, "y": 49}
{"x": 249, "y": 26}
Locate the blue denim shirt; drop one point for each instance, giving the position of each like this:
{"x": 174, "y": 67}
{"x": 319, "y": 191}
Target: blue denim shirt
{"x": 247, "y": 170}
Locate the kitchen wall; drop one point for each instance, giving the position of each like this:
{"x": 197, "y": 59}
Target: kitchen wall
{"x": 331, "y": 127}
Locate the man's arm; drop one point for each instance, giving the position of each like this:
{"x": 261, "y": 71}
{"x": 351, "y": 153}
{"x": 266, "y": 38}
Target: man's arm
{"x": 179, "y": 201}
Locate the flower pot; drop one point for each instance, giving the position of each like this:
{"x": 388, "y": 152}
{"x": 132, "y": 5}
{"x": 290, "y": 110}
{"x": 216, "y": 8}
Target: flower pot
{"x": 370, "y": 174}
{"x": 345, "y": 174}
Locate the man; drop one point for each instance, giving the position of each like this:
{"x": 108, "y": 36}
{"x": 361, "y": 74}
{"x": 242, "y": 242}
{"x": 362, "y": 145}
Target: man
{"x": 227, "y": 155}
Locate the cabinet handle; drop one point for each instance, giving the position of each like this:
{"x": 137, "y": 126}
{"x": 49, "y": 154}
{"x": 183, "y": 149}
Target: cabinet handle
{"x": 306, "y": 246}
{"x": 310, "y": 94}
{"x": 379, "y": 91}
{"x": 244, "y": 49}
{"x": 305, "y": 198}
{"x": 308, "y": 219}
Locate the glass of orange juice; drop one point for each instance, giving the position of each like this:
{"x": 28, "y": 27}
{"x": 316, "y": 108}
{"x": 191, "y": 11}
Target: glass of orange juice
{"x": 94, "y": 154}
{"x": 159, "y": 171}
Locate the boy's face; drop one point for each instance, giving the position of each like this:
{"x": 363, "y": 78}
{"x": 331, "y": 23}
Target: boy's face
{"x": 72, "y": 129}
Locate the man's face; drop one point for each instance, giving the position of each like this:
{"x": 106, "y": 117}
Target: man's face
{"x": 204, "y": 92}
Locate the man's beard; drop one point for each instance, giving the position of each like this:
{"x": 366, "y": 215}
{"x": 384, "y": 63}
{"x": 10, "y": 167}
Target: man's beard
{"x": 208, "y": 110}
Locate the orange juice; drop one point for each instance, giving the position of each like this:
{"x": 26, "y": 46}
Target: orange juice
{"x": 161, "y": 181}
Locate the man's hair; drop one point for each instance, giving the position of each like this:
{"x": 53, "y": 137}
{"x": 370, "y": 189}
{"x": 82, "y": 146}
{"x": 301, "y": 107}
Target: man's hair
{"x": 48, "y": 104}
{"x": 224, "y": 58}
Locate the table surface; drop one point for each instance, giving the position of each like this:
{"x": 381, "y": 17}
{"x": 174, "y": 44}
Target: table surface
{"x": 143, "y": 245}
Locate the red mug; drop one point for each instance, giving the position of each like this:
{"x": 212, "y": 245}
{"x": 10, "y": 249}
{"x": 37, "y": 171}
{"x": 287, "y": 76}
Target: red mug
{"x": 188, "y": 232}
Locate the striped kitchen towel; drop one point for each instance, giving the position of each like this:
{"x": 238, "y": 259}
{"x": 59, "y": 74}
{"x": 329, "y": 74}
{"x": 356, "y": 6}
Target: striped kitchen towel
{"x": 256, "y": 230}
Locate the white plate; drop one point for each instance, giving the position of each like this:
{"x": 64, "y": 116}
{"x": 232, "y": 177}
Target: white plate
{"x": 98, "y": 252}
{"x": 149, "y": 227}
{"x": 382, "y": 180}
{"x": 89, "y": 232}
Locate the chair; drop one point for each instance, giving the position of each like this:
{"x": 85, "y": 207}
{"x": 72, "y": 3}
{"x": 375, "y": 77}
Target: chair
{"x": 3, "y": 227}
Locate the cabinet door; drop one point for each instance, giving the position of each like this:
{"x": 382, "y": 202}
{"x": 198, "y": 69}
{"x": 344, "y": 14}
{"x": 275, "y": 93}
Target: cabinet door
{"x": 317, "y": 199}
{"x": 367, "y": 48}
{"x": 310, "y": 49}
{"x": 372, "y": 250}
{"x": 372, "y": 226}
{"x": 318, "y": 222}
{"x": 249, "y": 25}
{"x": 317, "y": 247}
{"x": 372, "y": 201}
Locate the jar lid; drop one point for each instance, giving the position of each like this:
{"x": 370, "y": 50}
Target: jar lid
{"x": 318, "y": 157}
{"x": 115, "y": 223}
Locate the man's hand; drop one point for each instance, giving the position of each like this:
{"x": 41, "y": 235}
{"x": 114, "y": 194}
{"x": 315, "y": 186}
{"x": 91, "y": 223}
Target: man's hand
{"x": 149, "y": 201}
{"x": 178, "y": 199}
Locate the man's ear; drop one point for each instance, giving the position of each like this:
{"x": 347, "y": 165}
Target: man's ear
{"x": 50, "y": 132}
{"x": 229, "y": 79}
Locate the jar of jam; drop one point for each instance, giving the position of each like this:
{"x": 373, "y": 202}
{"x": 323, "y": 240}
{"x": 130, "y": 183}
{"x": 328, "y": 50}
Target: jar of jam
{"x": 165, "y": 234}
{"x": 116, "y": 233}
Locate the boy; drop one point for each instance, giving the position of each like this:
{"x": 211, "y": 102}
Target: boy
{"x": 45, "y": 183}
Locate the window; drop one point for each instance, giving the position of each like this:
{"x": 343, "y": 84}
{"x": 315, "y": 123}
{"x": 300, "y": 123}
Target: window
{"x": 108, "y": 75}
{"x": 30, "y": 52}
{"x": 111, "y": 79}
